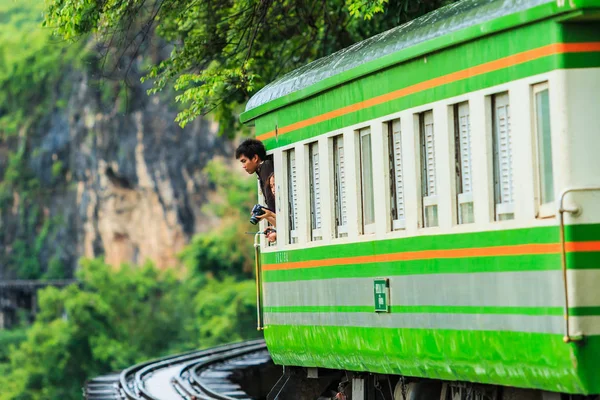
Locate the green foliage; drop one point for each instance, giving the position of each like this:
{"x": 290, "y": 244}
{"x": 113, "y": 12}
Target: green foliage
{"x": 27, "y": 264}
{"x": 10, "y": 339}
{"x": 24, "y": 254}
{"x": 57, "y": 168}
{"x": 56, "y": 269}
{"x": 224, "y": 51}
{"x": 237, "y": 192}
{"x": 32, "y": 69}
{"x": 226, "y": 250}
{"x": 31, "y": 64}
{"x": 366, "y": 8}
{"x": 115, "y": 319}
{"x": 118, "y": 317}
{"x": 17, "y": 178}
{"x": 228, "y": 310}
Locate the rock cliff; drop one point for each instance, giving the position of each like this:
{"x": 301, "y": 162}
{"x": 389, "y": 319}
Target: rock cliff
{"x": 114, "y": 177}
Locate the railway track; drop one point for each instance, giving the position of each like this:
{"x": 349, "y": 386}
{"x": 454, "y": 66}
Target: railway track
{"x": 215, "y": 373}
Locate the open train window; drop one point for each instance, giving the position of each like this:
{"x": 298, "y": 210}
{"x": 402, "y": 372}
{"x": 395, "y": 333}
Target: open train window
{"x": 394, "y": 143}
{"x": 292, "y": 196}
{"x": 366, "y": 178}
{"x": 315, "y": 191}
{"x": 462, "y": 163}
{"x": 545, "y": 174}
{"x": 428, "y": 176}
{"x": 265, "y": 223}
{"x": 503, "y": 162}
{"x": 339, "y": 187}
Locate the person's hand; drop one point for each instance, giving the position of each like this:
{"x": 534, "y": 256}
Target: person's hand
{"x": 268, "y": 214}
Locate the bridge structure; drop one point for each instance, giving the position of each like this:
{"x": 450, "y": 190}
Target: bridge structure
{"x": 18, "y": 295}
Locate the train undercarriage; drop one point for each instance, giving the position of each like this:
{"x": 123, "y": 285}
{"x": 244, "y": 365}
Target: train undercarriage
{"x": 324, "y": 384}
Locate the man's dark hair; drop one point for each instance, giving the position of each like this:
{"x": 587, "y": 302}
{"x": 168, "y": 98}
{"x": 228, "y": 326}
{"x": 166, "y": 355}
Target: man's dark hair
{"x": 250, "y": 148}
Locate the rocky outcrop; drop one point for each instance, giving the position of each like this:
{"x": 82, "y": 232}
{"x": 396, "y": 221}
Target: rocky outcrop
{"x": 118, "y": 178}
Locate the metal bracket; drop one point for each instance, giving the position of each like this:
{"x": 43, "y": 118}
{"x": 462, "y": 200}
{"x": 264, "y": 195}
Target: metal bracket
{"x": 575, "y": 211}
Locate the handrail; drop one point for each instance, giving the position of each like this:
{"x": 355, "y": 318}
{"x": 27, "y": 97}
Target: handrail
{"x": 563, "y": 253}
{"x": 259, "y": 321}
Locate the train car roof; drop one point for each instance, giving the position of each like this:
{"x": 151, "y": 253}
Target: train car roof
{"x": 447, "y": 26}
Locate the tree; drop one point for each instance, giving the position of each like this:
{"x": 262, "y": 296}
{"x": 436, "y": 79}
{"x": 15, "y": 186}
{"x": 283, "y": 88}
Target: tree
{"x": 224, "y": 51}
{"x": 226, "y": 251}
{"x": 115, "y": 319}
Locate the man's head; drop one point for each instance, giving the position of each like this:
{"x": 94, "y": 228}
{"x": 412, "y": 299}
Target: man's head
{"x": 251, "y": 153}
{"x": 271, "y": 234}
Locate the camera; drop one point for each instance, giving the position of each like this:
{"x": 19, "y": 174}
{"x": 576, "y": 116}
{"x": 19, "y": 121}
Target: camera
{"x": 257, "y": 210}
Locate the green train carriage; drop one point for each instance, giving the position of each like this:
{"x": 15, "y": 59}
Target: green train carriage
{"x": 438, "y": 201}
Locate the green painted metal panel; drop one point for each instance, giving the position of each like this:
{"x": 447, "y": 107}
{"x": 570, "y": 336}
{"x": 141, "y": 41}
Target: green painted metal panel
{"x": 508, "y": 237}
{"x": 438, "y": 64}
{"x": 511, "y": 358}
{"x": 584, "y": 311}
{"x": 543, "y": 262}
{"x": 573, "y": 311}
{"x": 433, "y": 266}
{"x": 416, "y": 39}
{"x": 505, "y": 75}
{"x": 437, "y": 309}
{"x": 530, "y": 360}
{"x": 413, "y": 72}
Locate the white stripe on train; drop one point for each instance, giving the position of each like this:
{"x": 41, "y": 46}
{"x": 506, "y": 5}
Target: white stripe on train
{"x": 485, "y": 289}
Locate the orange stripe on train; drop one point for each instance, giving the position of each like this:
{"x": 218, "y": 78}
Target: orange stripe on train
{"x": 517, "y": 250}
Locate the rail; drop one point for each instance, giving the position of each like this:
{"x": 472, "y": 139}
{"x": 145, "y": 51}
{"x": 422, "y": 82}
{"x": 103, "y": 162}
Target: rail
{"x": 127, "y": 378}
{"x": 195, "y": 372}
{"x": 563, "y": 253}
{"x": 132, "y": 380}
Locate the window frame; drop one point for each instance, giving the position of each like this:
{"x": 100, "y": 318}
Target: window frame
{"x": 396, "y": 223}
{"x": 427, "y": 199}
{"x": 548, "y": 209}
{"x": 501, "y": 208}
{"x": 462, "y": 197}
{"x": 316, "y": 233}
{"x": 366, "y": 228}
{"x": 339, "y": 186}
{"x": 292, "y": 198}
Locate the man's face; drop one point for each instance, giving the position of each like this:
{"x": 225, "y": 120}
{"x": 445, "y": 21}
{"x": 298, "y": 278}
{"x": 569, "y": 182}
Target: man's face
{"x": 250, "y": 164}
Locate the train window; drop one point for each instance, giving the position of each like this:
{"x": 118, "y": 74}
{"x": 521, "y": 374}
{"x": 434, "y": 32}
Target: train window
{"x": 315, "y": 191}
{"x": 292, "y": 196}
{"x": 366, "y": 175}
{"x": 502, "y": 149}
{"x": 541, "y": 105}
{"x": 428, "y": 178}
{"x": 394, "y": 143}
{"x": 339, "y": 187}
{"x": 462, "y": 162}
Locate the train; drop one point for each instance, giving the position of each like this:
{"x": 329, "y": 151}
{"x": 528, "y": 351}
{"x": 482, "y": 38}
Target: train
{"x": 438, "y": 209}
